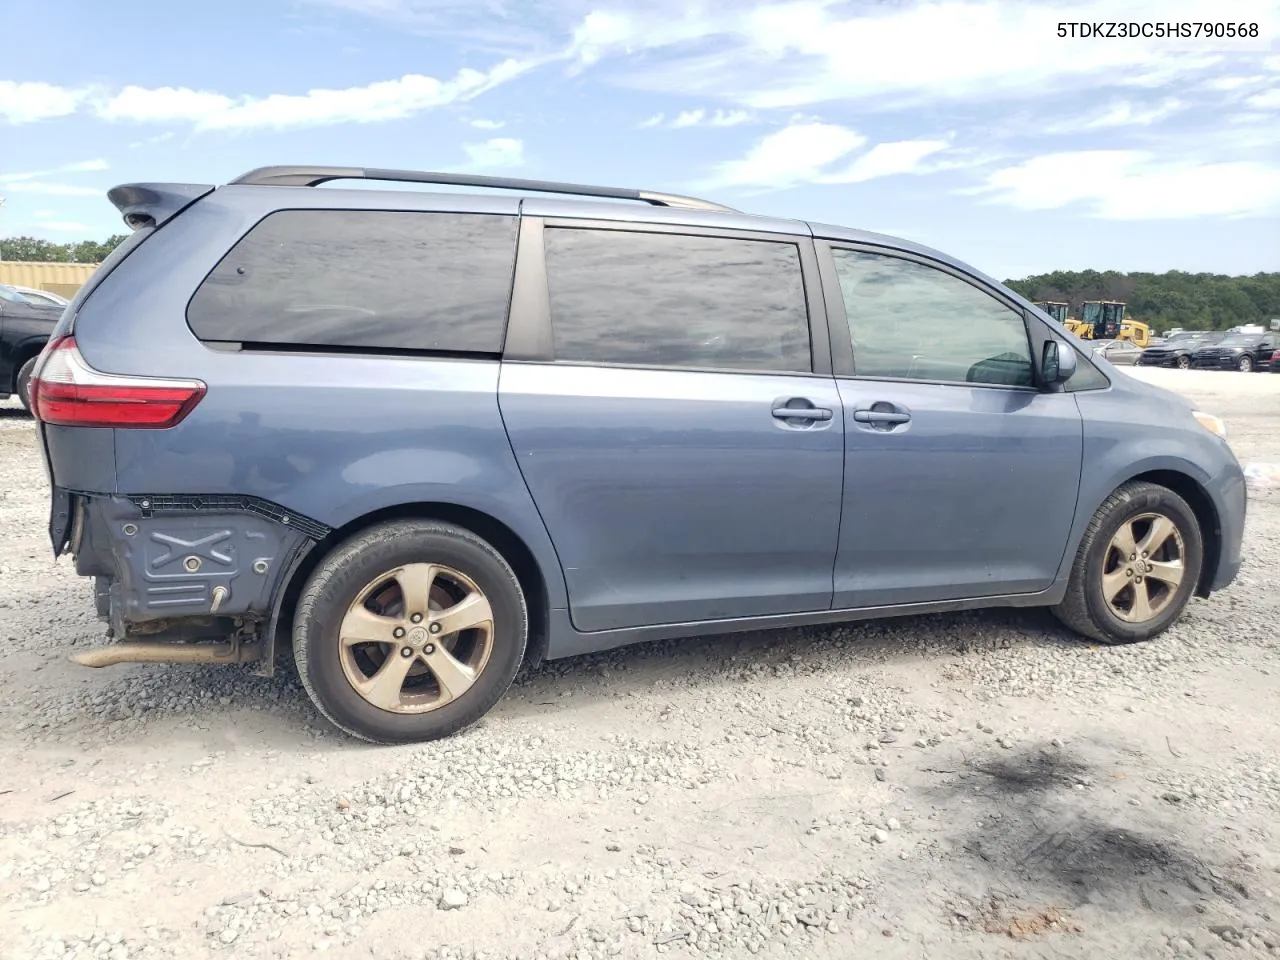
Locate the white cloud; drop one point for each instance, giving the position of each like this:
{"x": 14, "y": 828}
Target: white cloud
{"x": 718, "y": 118}
{"x": 498, "y": 152}
{"x": 28, "y": 102}
{"x": 1137, "y": 185}
{"x": 688, "y": 118}
{"x": 888, "y": 159}
{"x": 1231, "y": 83}
{"x": 803, "y": 52}
{"x": 481, "y": 124}
{"x": 37, "y": 182}
{"x": 44, "y": 188}
{"x": 1125, "y": 114}
{"x": 152, "y": 141}
{"x": 654, "y": 121}
{"x": 210, "y": 110}
{"x": 79, "y": 166}
{"x": 161, "y": 105}
{"x": 1267, "y": 100}
{"x": 794, "y": 154}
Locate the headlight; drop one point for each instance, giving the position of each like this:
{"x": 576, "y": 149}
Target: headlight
{"x": 1211, "y": 423}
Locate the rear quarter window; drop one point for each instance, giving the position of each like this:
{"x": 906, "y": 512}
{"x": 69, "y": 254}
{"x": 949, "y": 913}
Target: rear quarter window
{"x": 363, "y": 279}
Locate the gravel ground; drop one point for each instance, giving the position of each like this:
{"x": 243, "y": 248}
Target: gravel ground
{"x": 975, "y": 785}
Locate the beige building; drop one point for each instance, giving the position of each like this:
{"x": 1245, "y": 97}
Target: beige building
{"x": 61, "y": 278}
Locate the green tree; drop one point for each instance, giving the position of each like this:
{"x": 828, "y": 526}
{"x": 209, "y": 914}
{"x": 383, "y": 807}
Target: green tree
{"x": 33, "y": 249}
{"x": 1196, "y": 301}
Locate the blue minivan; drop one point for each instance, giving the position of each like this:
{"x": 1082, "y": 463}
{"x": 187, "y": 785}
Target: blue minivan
{"x": 423, "y": 437}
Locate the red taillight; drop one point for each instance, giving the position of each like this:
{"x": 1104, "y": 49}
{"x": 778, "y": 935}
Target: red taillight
{"x": 66, "y": 391}
{"x": 1275, "y": 357}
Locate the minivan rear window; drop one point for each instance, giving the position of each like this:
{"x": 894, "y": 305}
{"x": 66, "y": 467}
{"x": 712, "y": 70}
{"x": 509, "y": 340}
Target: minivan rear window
{"x": 365, "y": 280}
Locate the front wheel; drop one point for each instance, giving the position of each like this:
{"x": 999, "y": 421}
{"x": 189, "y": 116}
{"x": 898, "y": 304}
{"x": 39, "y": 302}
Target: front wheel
{"x": 1245, "y": 364}
{"x": 1184, "y": 363}
{"x": 24, "y": 383}
{"x": 1136, "y": 567}
{"x": 409, "y": 631}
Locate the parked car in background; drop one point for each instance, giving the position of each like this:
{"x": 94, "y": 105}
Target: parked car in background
{"x": 1120, "y": 352}
{"x": 24, "y": 330}
{"x": 1239, "y": 351}
{"x": 1275, "y": 362}
{"x": 1177, "y": 348}
{"x": 570, "y": 424}
{"x": 42, "y": 298}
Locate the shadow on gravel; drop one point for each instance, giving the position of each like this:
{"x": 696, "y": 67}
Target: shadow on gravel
{"x": 14, "y": 413}
{"x": 1049, "y": 842}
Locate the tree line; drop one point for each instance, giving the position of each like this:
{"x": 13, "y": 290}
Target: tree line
{"x": 33, "y": 249}
{"x": 1194, "y": 301}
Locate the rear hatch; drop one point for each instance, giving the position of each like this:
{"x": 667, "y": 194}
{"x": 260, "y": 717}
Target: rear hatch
{"x": 76, "y": 411}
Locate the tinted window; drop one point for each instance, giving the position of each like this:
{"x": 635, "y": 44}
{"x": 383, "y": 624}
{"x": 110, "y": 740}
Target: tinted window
{"x": 657, "y": 299}
{"x": 913, "y": 321}
{"x": 364, "y": 279}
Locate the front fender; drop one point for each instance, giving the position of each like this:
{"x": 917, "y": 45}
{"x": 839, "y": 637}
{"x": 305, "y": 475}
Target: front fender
{"x": 1117, "y": 452}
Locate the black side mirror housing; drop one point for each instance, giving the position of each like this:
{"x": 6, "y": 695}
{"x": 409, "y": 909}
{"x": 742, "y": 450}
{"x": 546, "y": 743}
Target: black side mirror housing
{"x": 1057, "y": 364}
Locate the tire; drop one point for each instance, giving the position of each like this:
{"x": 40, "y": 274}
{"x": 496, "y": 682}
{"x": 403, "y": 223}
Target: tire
{"x": 24, "y": 383}
{"x": 329, "y": 668}
{"x": 1085, "y": 609}
{"x": 1184, "y": 363}
{"x": 1245, "y": 364}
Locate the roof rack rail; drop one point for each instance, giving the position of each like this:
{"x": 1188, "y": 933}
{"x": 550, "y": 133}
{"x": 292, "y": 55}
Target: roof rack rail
{"x": 314, "y": 176}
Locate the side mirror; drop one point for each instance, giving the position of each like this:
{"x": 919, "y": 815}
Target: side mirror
{"x": 1058, "y": 363}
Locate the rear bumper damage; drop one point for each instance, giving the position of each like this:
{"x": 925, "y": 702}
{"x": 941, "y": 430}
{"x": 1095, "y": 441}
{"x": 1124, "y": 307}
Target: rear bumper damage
{"x": 183, "y": 578}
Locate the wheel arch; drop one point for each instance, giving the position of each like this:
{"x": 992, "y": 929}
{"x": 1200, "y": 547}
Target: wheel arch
{"x": 1190, "y": 490}
{"x": 503, "y": 539}
{"x": 23, "y": 352}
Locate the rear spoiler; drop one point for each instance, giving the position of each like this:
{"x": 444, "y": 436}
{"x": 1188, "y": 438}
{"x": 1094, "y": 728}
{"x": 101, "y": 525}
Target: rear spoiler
{"x": 151, "y": 204}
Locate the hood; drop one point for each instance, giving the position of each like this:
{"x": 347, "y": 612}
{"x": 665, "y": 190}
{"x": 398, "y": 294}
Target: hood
{"x": 1165, "y": 396}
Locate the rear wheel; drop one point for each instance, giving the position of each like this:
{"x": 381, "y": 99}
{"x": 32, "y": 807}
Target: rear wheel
{"x": 409, "y": 631}
{"x": 1245, "y": 364}
{"x": 1136, "y": 567}
{"x": 24, "y": 383}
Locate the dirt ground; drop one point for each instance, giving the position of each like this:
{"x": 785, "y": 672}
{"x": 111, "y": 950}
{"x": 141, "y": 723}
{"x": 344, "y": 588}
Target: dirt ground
{"x": 975, "y": 785}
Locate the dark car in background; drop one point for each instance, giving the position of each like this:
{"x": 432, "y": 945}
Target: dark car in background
{"x": 1240, "y": 351}
{"x": 25, "y": 327}
{"x": 1176, "y": 350}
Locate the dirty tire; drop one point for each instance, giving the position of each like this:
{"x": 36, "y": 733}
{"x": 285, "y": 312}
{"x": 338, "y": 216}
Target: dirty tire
{"x": 340, "y": 577}
{"x": 1084, "y": 609}
{"x": 24, "y": 383}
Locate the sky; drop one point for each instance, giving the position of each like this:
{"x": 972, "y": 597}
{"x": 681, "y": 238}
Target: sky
{"x": 967, "y": 125}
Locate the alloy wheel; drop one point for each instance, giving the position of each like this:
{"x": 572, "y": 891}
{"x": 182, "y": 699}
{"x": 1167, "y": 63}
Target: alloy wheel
{"x": 416, "y": 638}
{"x": 1143, "y": 567}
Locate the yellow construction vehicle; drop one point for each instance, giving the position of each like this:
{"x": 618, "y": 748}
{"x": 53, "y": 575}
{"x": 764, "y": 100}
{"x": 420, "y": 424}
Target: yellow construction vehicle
{"x": 1105, "y": 320}
{"x": 1054, "y": 308}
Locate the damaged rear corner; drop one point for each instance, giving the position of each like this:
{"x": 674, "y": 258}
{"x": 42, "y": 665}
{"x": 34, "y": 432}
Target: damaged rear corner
{"x": 184, "y": 578}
